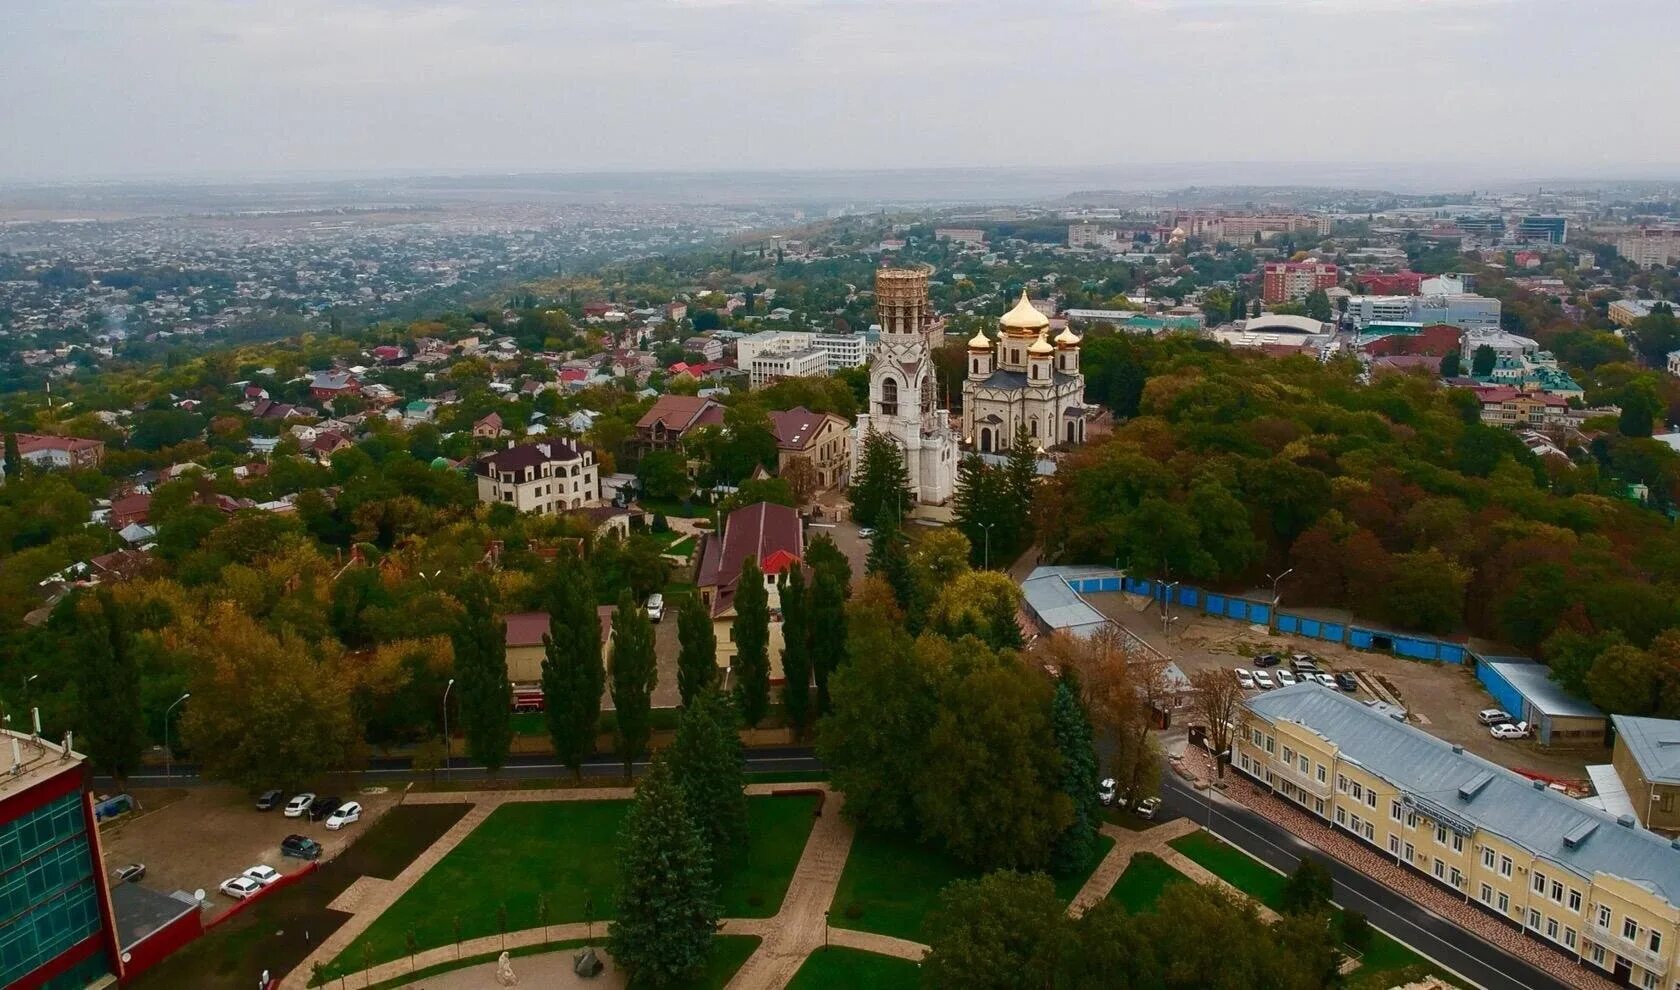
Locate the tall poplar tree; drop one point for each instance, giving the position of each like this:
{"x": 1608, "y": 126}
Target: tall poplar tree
{"x": 634, "y": 672}
{"x": 1071, "y": 728}
{"x": 666, "y": 904}
{"x": 752, "y": 644}
{"x": 796, "y": 649}
{"x": 828, "y": 651}
{"x": 480, "y": 641}
{"x": 697, "y": 657}
{"x": 111, "y": 725}
{"x": 572, "y": 674}
{"x": 14, "y": 460}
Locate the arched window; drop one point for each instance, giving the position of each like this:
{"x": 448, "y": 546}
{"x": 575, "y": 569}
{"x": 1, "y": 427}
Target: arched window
{"x": 889, "y": 397}
{"x": 1035, "y": 426}
{"x": 976, "y": 366}
{"x": 985, "y": 441}
{"x": 1070, "y": 431}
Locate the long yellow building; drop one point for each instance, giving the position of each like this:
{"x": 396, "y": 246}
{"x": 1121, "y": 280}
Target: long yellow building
{"x": 1596, "y": 886}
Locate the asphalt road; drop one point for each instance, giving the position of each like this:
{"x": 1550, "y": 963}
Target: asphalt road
{"x": 1446, "y": 943}
{"x": 774, "y": 759}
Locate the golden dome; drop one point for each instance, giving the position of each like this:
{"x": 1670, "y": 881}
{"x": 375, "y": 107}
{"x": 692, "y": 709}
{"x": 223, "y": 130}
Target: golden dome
{"x": 979, "y": 342}
{"x": 1041, "y": 345}
{"x": 1024, "y": 316}
{"x": 1067, "y": 338}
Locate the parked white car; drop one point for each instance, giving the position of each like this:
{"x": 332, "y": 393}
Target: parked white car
{"x": 264, "y": 875}
{"x": 655, "y": 607}
{"x": 298, "y": 806}
{"x": 1263, "y": 680}
{"x": 1245, "y": 680}
{"x": 240, "y": 887}
{"x": 1285, "y": 678}
{"x": 1107, "y": 790}
{"x": 1147, "y": 807}
{"x": 1509, "y": 730}
{"x": 1493, "y": 716}
{"x": 1325, "y": 679}
{"x": 347, "y": 812}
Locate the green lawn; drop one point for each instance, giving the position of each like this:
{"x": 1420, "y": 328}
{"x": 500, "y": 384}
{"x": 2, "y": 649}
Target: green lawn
{"x": 1234, "y": 866}
{"x": 891, "y": 883}
{"x": 1146, "y": 876}
{"x": 567, "y": 851}
{"x": 834, "y": 968}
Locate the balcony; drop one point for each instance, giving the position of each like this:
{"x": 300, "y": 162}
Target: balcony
{"x": 1305, "y": 781}
{"x": 1637, "y": 951}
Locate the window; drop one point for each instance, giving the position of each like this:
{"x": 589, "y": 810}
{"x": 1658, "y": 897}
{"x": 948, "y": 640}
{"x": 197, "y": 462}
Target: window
{"x": 1323, "y": 774}
{"x": 1457, "y": 843}
{"x": 1440, "y": 869}
{"x": 1648, "y": 981}
{"x": 1487, "y": 894}
{"x": 1371, "y": 799}
{"x": 1270, "y": 742}
{"x": 1569, "y": 937}
{"x": 1505, "y": 866}
{"x": 1259, "y": 737}
{"x": 1341, "y": 783}
{"x": 889, "y": 397}
{"x": 1370, "y": 833}
{"x": 1575, "y": 900}
{"x": 1394, "y": 810}
{"x": 1539, "y": 882}
{"x": 1630, "y": 929}
{"x": 1457, "y": 877}
{"x": 1534, "y": 919}
{"x": 1394, "y": 844}
{"x": 1288, "y": 755}
{"x": 1341, "y": 816}
{"x": 1441, "y": 835}
{"x": 1358, "y": 791}
{"x": 1603, "y": 917}
{"x": 1552, "y": 929}
{"x": 1318, "y": 806}
{"x": 1487, "y": 858}
{"x": 1557, "y": 892}
{"x": 1305, "y": 763}
{"x": 1597, "y": 954}
{"x": 1411, "y": 852}
{"x": 1656, "y": 941}
{"x": 1411, "y": 819}
{"x": 1504, "y": 902}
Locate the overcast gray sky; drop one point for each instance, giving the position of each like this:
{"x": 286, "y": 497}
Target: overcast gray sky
{"x": 168, "y": 87}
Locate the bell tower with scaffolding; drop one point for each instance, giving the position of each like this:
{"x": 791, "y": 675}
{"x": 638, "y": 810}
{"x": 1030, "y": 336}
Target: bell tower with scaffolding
{"x": 903, "y": 386}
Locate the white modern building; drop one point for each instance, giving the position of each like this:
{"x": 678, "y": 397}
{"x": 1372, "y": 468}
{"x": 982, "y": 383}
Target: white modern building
{"x": 1462, "y": 310}
{"x": 772, "y": 354}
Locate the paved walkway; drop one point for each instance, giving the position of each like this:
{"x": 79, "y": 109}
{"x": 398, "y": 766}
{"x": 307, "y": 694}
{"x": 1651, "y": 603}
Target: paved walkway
{"x": 802, "y": 921}
{"x": 547, "y": 971}
{"x": 1127, "y": 844}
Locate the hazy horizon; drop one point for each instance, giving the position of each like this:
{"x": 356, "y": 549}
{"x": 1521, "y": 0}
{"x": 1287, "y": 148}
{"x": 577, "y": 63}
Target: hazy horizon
{"x": 204, "y": 89}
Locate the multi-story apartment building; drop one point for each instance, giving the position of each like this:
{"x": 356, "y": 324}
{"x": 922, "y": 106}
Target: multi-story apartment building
{"x": 1293, "y": 281}
{"x": 1650, "y": 248}
{"x": 845, "y": 350}
{"x": 1594, "y": 885}
{"x": 1092, "y": 235}
{"x": 962, "y": 235}
{"x": 546, "y": 478}
{"x": 43, "y": 450}
{"x": 1552, "y": 230}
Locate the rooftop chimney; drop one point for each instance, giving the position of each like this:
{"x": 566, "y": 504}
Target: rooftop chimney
{"x": 1625, "y": 821}
{"x": 17, "y": 757}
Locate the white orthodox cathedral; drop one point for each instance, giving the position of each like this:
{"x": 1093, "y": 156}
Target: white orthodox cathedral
{"x": 1023, "y": 379}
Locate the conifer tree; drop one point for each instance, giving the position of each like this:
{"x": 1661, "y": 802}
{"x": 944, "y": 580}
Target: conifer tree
{"x": 1071, "y": 727}
{"x": 881, "y": 488}
{"x": 572, "y": 674}
{"x": 796, "y": 649}
{"x": 889, "y": 559}
{"x": 666, "y": 903}
{"x": 14, "y": 460}
{"x": 697, "y": 657}
{"x": 752, "y": 644}
{"x": 706, "y": 760}
{"x": 830, "y": 587}
{"x": 480, "y": 641}
{"x": 634, "y": 672}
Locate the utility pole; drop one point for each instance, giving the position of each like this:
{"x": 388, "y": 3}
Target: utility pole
{"x": 168, "y": 754}
{"x": 446, "y": 746}
{"x": 988, "y": 528}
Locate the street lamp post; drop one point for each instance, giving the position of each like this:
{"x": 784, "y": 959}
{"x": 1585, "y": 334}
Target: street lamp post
{"x": 168, "y": 754}
{"x": 446, "y": 747}
{"x": 1271, "y": 618}
{"x": 26, "y": 682}
{"x": 1166, "y": 602}
{"x": 988, "y": 558}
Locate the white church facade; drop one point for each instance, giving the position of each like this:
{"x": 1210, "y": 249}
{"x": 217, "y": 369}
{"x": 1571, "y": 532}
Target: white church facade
{"x": 1023, "y": 380}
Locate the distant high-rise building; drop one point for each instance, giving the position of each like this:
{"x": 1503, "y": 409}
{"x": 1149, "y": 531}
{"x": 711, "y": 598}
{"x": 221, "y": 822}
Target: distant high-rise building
{"x": 1486, "y": 226}
{"x": 1552, "y": 230}
{"x": 1651, "y": 247}
{"x": 1292, "y": 281}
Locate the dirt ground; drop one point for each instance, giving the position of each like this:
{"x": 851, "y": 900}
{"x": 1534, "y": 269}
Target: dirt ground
{"x": 192, "y": 838}
{"x": 1442, "y": 699}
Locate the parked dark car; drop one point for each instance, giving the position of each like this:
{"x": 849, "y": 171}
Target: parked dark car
{"x": 323, "y": 806}
{"x": 300, "y": 847}
{"x": 1346, "y": 682}
{"x": 1266, "y": 660}
{"x": 269, "y": 800}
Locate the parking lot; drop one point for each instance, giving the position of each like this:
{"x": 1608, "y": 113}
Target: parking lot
{"x": 198, "y": 837}
{"x": 1442, "y": 699}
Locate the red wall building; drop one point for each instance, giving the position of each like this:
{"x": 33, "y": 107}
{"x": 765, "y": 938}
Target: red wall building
{"x": 1391, "y": 283}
